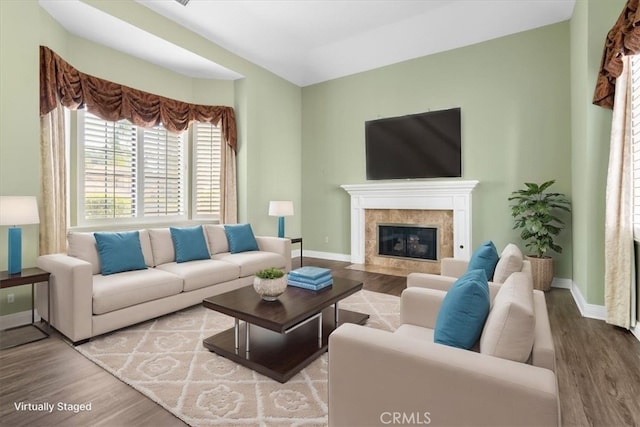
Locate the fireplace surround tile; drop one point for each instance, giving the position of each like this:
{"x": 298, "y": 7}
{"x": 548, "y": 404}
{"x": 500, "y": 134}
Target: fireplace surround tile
{"x": 449, "y": 195}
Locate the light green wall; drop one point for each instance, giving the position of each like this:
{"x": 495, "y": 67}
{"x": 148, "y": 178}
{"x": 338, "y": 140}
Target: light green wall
{"x": 267, "y": 108}
{"x": 514, "y": 95}
{"x": 19, "y": 127}
{"x": 591, "y": 127}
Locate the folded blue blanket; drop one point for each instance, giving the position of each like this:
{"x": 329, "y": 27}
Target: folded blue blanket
{"x": 317, "y": 281}
{"x": 309, "y": 286}
{"x": 310, "y": 272}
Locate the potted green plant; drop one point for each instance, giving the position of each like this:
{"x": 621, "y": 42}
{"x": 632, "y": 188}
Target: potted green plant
{"x": 270, "y": 283}
{"x": 535, "y": 211}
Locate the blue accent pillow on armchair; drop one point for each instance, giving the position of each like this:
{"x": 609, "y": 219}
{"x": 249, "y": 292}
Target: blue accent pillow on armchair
{"x": 241, "y": 238}
{"x": 464, "y": 311}
{"x": 485, "y": 257}
{"x": 189, "y": 243}
{"x": 120, "y": 252}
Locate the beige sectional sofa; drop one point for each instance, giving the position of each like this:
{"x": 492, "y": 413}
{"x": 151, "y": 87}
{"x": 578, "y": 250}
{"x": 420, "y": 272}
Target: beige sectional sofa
{"x": 85, "y": 303}
{"x": 508, "y": 379}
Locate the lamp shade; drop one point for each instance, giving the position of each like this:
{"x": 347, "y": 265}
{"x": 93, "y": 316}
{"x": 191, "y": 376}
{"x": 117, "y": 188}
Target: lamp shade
{"x": 18, "y": 210}
{"x": 280, "y": 208}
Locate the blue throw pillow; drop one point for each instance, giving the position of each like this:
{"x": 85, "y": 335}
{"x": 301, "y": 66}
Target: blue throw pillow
{"x": 485, "y": 257}
{"x": 189, "y": 243}
{"x": 120, "y": 252}
{"x": 463, "y": 311}
{"x": 241, "y": 238}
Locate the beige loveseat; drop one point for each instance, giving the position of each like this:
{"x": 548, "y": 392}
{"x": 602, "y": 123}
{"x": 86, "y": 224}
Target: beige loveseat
{"x": 85, "y": 303}
{"x": 508, "y": 379}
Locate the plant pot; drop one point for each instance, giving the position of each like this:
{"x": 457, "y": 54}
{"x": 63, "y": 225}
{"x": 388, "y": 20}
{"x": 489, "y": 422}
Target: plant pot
{"x": 542, "y": 272}
{"x": 270, "y": 289}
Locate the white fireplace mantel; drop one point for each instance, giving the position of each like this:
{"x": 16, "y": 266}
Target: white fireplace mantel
{"x": 425, "y": 195}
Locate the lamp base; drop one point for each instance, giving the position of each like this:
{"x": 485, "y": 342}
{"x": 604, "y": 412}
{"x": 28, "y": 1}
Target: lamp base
{"x": 15, "y": 250}
{"x": 280, "y": 226}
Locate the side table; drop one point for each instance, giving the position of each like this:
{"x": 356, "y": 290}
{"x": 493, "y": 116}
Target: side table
{"x": 26, "y": 276}
{"x": 297, "y": 240}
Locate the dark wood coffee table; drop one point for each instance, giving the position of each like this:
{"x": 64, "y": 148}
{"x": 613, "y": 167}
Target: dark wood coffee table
{"x": 281, "y": 337}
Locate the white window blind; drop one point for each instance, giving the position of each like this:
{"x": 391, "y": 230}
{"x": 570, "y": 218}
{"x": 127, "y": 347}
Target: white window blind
{"x": 110, "y": 169}
{"x": 164, "y": 188}
{"x": 129, "y": 172}
{"x": 207, "y": 166}
{"x": 635, "y": 139}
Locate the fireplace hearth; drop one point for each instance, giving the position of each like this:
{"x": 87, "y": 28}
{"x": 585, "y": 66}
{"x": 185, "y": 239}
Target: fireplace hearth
{"x": 408, "y": 241}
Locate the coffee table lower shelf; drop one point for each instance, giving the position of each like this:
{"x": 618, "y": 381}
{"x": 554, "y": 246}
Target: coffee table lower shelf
{"x": 280, "y": 356}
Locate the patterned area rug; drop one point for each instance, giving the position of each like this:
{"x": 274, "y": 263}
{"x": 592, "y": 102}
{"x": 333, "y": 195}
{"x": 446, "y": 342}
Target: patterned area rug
{"x": 165, "y": 360}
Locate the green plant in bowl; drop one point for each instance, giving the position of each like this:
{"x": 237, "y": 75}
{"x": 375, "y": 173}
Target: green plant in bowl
{"x": 270, "y": 273}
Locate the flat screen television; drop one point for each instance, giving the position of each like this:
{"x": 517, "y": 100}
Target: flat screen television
{"x": 424, "y": 145}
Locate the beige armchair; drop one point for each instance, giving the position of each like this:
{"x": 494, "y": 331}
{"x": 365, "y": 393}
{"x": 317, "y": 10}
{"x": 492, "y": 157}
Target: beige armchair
{"x": 379, "y": 378}
{"x": 511, "y": 260}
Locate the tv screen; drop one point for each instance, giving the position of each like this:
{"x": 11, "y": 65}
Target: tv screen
{"x": 425, "y": 145}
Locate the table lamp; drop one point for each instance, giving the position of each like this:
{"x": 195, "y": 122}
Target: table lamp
{"x": 280, "y": 209}
{"x": 17, "y": 210}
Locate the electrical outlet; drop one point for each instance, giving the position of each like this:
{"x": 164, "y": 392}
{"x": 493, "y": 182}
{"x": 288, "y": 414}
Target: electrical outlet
{"x": 11, "y": 298}
{"x": 326, "y": 239}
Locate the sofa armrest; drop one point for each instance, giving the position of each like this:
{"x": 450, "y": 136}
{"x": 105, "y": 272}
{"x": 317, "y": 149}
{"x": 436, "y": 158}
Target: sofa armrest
{"x": 453, "y": 267}
{"x": 543, "y": 353}
{"x": 431, "y": 281}
{"x": 420, "y": 306}
{"x": 278, "y": 245}
{"x": 441, "y": 283}
{"x": 374, "y": 374}
{"x": 71, "y": 295}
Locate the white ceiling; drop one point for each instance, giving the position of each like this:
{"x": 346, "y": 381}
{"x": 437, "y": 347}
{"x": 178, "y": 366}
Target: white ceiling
{"x": 310, "y": 41}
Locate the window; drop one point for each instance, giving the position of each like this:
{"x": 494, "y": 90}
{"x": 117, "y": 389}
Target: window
{"x": 207, "y": 171}
{"x": 164, "y": 189}
{"x": 128, "y": 172}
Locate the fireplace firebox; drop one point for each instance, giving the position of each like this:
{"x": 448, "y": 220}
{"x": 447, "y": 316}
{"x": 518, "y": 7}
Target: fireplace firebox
{"x": 408, "y": 241}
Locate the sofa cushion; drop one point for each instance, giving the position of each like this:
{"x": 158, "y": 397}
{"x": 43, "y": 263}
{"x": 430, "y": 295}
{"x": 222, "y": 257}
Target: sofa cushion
{"x": 120, "y": 252}
{"x": 510, "y": 327}
{"x": 145, "y": 243}
{"x": 463, "y": 311}
{"x": 253, "y": 261}
{"x": 162, "y": 246}
{"x": 510, "y": 262}
{"x": 216, "y": 238}
{"x": 83, "y": 246}
{"x": 240, "y": 238}
{"x": 189, "y": 243}
{"x": 484, "y": 257}
{"x": 126, "y": 289}
{"x": 202, "y": 273}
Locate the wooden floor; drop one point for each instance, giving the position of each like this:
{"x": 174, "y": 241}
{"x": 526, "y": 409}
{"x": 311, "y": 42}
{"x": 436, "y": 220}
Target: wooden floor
{"x": 598, "y": 373}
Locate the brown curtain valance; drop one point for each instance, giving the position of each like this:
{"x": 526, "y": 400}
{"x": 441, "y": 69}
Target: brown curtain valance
{"x": 61, "y": 82}
{"x": 622, "y": 39}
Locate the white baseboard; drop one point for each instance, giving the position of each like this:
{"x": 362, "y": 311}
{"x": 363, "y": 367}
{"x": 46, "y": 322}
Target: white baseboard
{"x": 561, "y": 283}
{"x": 295, "y": 253}
{"x": 328, "y": 255}
{"x": 636, "y": 331}
{"x": 592, "y": 311}
{"x": 17, "y": 319}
